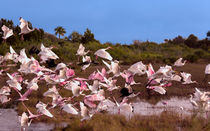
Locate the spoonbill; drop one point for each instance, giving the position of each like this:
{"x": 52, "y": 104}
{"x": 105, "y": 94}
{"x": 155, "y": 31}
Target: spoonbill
{"x": 103, "y": 54}
{"x": 24, "y": 28}
{"x": 7, "y": 32}
{"x": 179, "y": 62}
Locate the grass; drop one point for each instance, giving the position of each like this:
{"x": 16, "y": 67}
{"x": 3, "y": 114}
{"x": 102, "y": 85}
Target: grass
{"x": 167, "y": 121}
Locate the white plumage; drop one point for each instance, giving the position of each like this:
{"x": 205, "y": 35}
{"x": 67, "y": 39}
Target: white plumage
{"x": 7, "y": 32}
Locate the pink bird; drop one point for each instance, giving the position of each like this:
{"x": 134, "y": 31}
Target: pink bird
{"x": 129, "y": 77}
{"x": 98, "y": 75}
{"x": 32, "y": 86}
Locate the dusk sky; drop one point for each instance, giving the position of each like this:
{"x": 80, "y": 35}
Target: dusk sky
{"x": 115, "y": 20}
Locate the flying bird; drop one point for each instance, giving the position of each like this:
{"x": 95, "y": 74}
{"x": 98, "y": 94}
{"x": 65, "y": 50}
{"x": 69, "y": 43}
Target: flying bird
{"x": 7, "y": 32}
{"x": 103, "y": 54}
{"x": 24, "y": 28}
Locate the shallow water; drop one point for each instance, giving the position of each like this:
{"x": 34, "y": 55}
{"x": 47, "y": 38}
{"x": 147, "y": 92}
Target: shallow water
{"x": 9, "y": 121}
{"x": 9, "y": 117}
{"x": 181, "y": 106}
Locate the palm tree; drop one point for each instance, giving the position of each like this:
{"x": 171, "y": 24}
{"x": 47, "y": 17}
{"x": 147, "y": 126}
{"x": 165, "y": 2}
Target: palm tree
{"x": 60, "y": 31}
{"x": 208, "y": 34}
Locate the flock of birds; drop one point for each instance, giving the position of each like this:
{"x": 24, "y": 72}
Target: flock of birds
{"x": 91, "y": 89}
{"x": 7, "y": 32}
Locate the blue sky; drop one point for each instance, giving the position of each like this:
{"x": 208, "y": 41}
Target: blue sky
{"x": 115, "y": 20}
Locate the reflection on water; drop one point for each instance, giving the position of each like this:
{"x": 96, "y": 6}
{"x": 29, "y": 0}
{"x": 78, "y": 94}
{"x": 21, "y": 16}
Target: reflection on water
{"x": 9, "y": 118}
{"x": 9, "y": 122}
{"x": 141, "y": 107}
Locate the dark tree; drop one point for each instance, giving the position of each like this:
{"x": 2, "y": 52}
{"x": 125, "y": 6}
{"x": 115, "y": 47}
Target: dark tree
{"x": 60, "y": 31}
{"x": 75, "y": 37}
{"x": 192, "y": 41}
{"x": 88, "y": 36}
{"x": 208, "y": 34}
{"x": 178, "y": 40}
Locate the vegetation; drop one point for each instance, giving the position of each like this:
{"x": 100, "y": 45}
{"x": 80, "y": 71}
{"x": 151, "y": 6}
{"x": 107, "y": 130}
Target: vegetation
{"x": 60, "y": 31}
{"x": 190, "y": 48}
{"x": 167, "y": 121}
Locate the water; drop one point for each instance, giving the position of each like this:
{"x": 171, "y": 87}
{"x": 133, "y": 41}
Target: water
{"x": 9, "y": 121}
{"x": 9, "y": 117}
{"x": 181, "y": 106}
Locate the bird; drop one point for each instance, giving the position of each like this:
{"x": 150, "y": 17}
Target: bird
{"x": 12, "y": 55}
{"x": 158, "y": 89}
{"x": 129, "y": 77}
{"x": 22, "y": 58}
{"x": 81, "y": 51}
{"x": 46, "y": 54}
{"x": 84, "y": 112}
{"x": 207, "y": 69}
{"x": 103, "y": 53}
{"x": 194, "y": 103}
{"x": 179, "y": 62}
{"x": 187, "y": 78}
{"x": 113, "y": 67}
{"x": 13, "y": 82}
{"x": 110, "y": 84}
{"x": 7, "y": 32}
{"x": 86, "y": 61}
{"x": 138, "y": 68}
{"x": 41, "y": 108}
{"x": 32, "y": 86}
{"x": 164, "y": 72}
{"x": 124, "y": 106}
{"x": 69, "y": 108}
{"x": 207, "y": 73}
{"x": 24, "y": 28}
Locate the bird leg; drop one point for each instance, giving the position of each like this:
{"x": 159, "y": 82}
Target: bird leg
{"x": 22, "y": 38}
{"x": 4, "y": 40}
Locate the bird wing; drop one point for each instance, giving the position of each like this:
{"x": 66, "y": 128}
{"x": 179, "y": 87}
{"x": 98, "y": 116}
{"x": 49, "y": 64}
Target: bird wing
{"x": 70, "y": 109}
{"x": 103, "y": 54}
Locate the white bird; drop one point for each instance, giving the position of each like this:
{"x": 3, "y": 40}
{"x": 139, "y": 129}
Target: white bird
{"x": 163, "y": 72}
{"x": 12, "y": 55}
{"x": 176, "y": 78}
{"x": 86, "y": 60}
{"x": 70, "y": 109}
{"x": 41, "y": 108}
{"x": 81, "y": 51}
{"x": 13, "y": 82}
{"x": 207, "y": 69}
{"x": 103, "y": 54}
{"x": 124, "y": 106}
{"x": 110, "y": 84}
{"x": 138, "y": 68}
{"x": 86, "y": 115}
{"x": 95, "y": 87}
{"x": 113, "y": 67}
{"x": 5, "y": 90}
{"x": 7, "y": 32}
{"x": 158, "y": 89}
{"x": 23, "y": 57}
{"x": 4, "y": 99}
{"x": 24, "y": 121}
{"x": 51, "y": 92}
{"x": 46, "y": 54}
{"x": 74, "y": 87}
{"x": 179, "y": 62}
{"x": 24, "y": 28}
{"x": 105, "y": 105}
{"x": 60, "y": 66}
{"x": 194, "y": 103}
{"x": 187, "y": 78}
